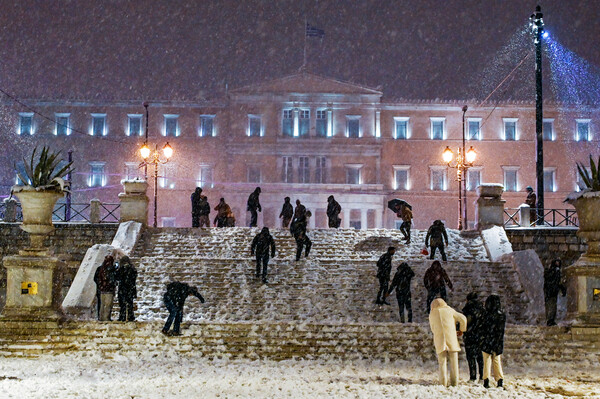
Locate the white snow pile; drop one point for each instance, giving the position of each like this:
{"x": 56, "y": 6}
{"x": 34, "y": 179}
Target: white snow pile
{"x": 496, "y": 243}
{"x": 87, "y": 375}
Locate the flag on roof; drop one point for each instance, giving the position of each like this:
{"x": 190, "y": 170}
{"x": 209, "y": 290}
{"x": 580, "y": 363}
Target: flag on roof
{"x": 312, "y": 31}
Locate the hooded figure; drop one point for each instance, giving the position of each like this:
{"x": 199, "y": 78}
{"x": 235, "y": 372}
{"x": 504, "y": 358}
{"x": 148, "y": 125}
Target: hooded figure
{"x": 435, "y": 281}
{"x": 261, "y": 244}
{"x": 552, "y": 285}
{"x": 494, "y": 322}
{"x": 106, "y": 282}
{"x": 287, "y": 211}
{"x": 384, "y": 268}
{"x": 436, "y": 235}
{"x": 126, "y": 276}
{"x": 299, "y": 222}
{"x": 254, "y": 206}
{"x": 474, "y": 313}
{"x": 333, "y": 211}
{"x": 401, "y": 283}
{"x": 531, "y": 200}
{"x": 443, "y": 320}
{"x": 174, "y": 300}
{"x": 195, "y": 198}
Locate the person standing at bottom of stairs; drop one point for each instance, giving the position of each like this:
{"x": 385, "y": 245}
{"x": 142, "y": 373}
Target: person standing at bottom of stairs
{"x": 401, "y": 282}
{"x": 105, "y": 279}
{"x": 174, "y": 300}
{"x": 261, "y": 244}
{"x": 474, "y": 312}
{"x": 494, "y": 323}
{"x": 126, "y": 276}
{"x": 384, "y": 268}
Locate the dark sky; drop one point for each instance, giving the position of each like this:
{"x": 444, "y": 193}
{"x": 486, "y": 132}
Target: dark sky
{"x": 189, "y": 50}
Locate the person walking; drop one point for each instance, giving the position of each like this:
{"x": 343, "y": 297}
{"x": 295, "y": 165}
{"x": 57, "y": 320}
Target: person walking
{"x": 443, "y": 320}
{"x": 105, "y": 280}
{"x": 401, "y": 283}
{"x": 261, "y": 244}
{"x": 299, "y": 221}
{"x": 174, "y": 299}
{"x": 204, "y": 212}
{"x": 436, "y": 236}
{"x": 492, "y": 346}
{"x": 435, "y": 280}
{"x": 126, "y": 276}
{"x": 195, "y": 197}
{"x": 531, "y": 200}
{"x": 474, "y": 312}
{"x": 254, "y": 206}
{"x": 302, "y": 242}
{"x": 384, "y": 268}
{"x": 223, "y": 210}
{"x": 333, "y": 211}
{"x": 406, "y": 215}
{"x": 552, "y": 285}
{"x": 287, "y": 212}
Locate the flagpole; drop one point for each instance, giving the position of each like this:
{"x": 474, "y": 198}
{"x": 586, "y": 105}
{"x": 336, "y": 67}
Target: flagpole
{"x": 303, "y": 67}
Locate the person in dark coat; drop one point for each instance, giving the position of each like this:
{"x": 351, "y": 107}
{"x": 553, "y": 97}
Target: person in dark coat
{"x": 552, "y": 285}
{"x": 126, "y": 276}
{"x": 474, "y": 313}
{"x": 531, "y": 200}
{"x": 384, "y": 268}
{"x": 302, "y": 242}
{"x": 492, "y": 346}
{"x": 106, "y": 283}
{"x": 435, "y": 281}
{"x": 299, "y": 222}
{"x": 262, "y": 243}
{"x": 436, "y": 236}
{"x": 204, "y": 211}
{"x": 223, "y": 210}
{"x": 174, "y": 300}
{"x": 333, "y": 210}
{"x": 254, "y": 206}
{"x": 196, "y": 207}
{"x": 401, "y": 283}
{"x": 287, "y": 212}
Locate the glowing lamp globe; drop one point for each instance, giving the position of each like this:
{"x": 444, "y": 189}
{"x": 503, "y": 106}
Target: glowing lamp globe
{"x": 471, "y": 155}
{"x": 145, "y": 151}
{"x": 447, "y": 155}
{"x": 168, "y": 151}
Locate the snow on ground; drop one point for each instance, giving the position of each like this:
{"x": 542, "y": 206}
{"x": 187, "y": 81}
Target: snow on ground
{"x": 171, "y": 376}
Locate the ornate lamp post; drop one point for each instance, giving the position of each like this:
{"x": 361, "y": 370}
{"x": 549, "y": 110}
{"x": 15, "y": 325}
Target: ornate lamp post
{"x": 464, "y": 160}
{"x": 153, "y": 158}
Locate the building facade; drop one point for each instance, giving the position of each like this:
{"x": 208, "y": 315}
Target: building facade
{"x": 306, "y": 137}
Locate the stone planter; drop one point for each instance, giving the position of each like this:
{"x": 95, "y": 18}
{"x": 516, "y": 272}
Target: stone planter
{"x": 583, "y": 277}
{"x": 134, "y": 201}
{"x": 134, "y": 186}
{"x": 37, "y": 209}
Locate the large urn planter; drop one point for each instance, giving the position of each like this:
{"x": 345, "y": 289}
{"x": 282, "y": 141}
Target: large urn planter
{"x": 134, "y": 201}
{"x": 583, "y": 277}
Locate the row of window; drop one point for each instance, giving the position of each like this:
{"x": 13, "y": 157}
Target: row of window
{"x": 296, "y": 123}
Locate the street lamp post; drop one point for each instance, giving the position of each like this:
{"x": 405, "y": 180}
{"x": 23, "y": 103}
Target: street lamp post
{"x": 153, "y": 158}
{"x": 536, "y": 22}
{"x": 464, "y": 160}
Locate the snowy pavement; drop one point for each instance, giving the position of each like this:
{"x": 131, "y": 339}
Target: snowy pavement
{"x": 172, "y": 376}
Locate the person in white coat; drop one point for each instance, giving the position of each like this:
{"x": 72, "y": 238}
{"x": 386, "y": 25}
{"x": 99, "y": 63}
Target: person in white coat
{"x": 442, "y": 320}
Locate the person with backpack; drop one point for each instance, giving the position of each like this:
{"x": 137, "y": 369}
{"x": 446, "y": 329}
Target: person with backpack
{"x": 435, "y": 238}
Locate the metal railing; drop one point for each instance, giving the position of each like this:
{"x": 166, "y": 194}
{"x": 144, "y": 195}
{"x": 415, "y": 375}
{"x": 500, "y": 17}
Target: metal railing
{"x": 92, "y": 212}
{"x": 552, "y": 217}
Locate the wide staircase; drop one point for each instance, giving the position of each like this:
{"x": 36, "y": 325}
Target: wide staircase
{"x": 320, "y": 307}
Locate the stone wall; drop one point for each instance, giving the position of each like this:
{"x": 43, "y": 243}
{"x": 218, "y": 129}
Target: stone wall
{"x": 548, "y": 243}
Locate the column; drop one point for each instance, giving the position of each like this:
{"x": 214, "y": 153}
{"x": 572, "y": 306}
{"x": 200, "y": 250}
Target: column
{"x": 377, "y": 123}
{"x": 363, "y": 219}
{"x": 329, "y": 123}
{"x": 346, "y": 218}
{"x": 378, "y": 219}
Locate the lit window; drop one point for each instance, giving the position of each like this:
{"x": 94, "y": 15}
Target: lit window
{"x": 171, "y": 128}
{"x": 304, "y": 122}
{"x": 205, "y": 179}
{"x": 511, "y": 175}
{"x": 97, "y": 177}
{"x": 401, "y": 177}
{"x": 549, "y": 179}
{"x": 166, "y": 176}
{"x": 353, "y": 174}
{"x": 583, "y": 130}
{"x": 474, "y": 129}
{"x": 473, "y": 178}
{"x": 98, "y": 125}
{"x": 254, "y": 174}
{"x": 207, "y": 126}
{"x": 321, "y": 123}
{"x": 321, "y": 170}
{"x": 254, "y": 126}
{"x": 548, "y": 129}
{"x": 132, "y": 171}
{"x": 26, "y": 123}
{"x": 438, "y": 178}
{"x": 437, "y": 128}
{"x": 62, "y": 126}
{"x": 352, "y": 126}
{"x": 303, "y": 170}
{"x": 400, "y": 128}
{"x": 510, "y": 129}
{"x": 134, "y": 125}
{"x": 287, "y": 124}
{"x": 287, "y": 171}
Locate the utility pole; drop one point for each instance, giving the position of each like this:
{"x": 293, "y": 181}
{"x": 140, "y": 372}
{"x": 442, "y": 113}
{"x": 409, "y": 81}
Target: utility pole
{"x": 537, "y": 27}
